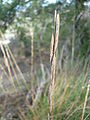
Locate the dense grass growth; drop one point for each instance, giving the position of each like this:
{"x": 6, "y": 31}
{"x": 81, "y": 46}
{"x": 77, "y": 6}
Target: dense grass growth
{"x": 68, "y": 97}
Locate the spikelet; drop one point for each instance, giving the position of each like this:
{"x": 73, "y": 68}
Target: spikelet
{"x": 51, "y": 49}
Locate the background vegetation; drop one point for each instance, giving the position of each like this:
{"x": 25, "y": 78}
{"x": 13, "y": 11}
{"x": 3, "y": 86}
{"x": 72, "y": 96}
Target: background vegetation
{"x": 29, "y": 25}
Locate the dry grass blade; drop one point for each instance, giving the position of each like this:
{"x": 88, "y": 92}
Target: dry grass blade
{"x": 7, "y": 65}
{"x": 11, "y": 63}
{"x": 22, "y": 114}
{"x": 12, "y": 57}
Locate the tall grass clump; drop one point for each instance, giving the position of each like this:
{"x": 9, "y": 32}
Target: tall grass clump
{"x": 32, "y": 57}
{"x": 68, "y": 96}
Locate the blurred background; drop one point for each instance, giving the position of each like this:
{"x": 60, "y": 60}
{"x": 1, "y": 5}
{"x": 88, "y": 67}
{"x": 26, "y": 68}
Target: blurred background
{"x": 26, "y": 26}
{"x": 19, "y": 18}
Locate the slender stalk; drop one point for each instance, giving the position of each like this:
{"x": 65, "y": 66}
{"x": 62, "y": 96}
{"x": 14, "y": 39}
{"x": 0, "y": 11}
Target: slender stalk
{"x": 53, "y": 59}
{"x": 73, "y": 42}
{"x": 32, "y": 57}
{"x": 86, "y": 97}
